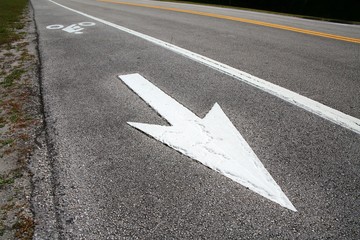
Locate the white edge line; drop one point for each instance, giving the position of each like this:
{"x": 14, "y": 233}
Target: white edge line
{"x": 296, "y": 99}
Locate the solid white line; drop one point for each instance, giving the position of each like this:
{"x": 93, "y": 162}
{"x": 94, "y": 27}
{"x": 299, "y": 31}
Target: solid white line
{"x": 308, "y": 104}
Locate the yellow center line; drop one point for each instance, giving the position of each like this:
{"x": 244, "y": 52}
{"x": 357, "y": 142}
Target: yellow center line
{"x": 244, "y": 20}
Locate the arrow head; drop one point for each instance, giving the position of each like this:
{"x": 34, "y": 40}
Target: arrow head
{"x": 216, "y": 143}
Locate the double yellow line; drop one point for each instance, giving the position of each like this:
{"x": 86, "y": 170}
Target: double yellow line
{"x": 244, "y": 20}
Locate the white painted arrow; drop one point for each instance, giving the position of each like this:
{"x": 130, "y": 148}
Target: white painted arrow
{"x": 213, "y": 140}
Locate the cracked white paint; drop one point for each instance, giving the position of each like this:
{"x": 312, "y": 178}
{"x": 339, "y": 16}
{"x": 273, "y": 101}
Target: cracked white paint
{"x": 213, "y": 140}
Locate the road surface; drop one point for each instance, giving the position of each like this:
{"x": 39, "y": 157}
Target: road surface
{"x": 108, "y": 180}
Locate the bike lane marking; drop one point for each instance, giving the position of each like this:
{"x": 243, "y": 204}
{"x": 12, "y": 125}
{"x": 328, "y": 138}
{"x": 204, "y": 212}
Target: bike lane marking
{"x": 73, "y": 28}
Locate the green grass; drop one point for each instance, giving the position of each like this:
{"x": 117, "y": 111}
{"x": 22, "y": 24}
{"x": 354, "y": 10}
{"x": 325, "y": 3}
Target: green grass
{"x": 10, "y": 13}
{"x": 14, "y": 118}
{"x": 2, "y": 229}
{"x": 4, "y": 181}
{"x": 6, "y": 142}
{"x": 12, "y": 77}
{"x": 2, "y": 122}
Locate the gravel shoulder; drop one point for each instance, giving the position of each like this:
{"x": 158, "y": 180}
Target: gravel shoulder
{"x": 21, "y": 131}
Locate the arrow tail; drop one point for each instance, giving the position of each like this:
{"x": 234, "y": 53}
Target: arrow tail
{"x": 155, "y": 131}
{"x": 166, "y": 106}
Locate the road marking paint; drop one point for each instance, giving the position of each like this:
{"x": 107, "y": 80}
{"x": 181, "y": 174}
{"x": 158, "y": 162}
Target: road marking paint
{"x": 244, "y": 20}
{"x": 73, "y": 28}
{"x": 214, "y": 141}
{"x": 296, "y": 99}
{"x": 55, "y": 26}
{"x": 86, "y": 24}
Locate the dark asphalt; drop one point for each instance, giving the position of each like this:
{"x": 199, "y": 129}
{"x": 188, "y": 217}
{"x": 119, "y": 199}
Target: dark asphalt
{"x": 111, "y": 181}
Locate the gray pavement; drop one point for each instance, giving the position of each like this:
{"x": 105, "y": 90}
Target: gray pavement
{"x": 111, "y": 181}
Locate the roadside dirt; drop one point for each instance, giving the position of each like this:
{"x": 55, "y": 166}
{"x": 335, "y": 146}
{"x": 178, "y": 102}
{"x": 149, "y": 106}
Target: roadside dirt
{"x": 20, "y": 122}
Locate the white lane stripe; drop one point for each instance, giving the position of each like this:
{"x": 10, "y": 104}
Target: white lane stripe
{"x": 308, "y": 104}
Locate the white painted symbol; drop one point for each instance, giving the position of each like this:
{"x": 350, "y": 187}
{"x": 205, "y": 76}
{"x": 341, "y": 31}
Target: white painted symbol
{"x": 73, "y": 28}
{"x": 56, "y": 26}
{"x": 214, "y": 141}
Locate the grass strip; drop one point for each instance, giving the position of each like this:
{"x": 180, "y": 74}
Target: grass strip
{"x": 15, "y": 75}
{"x": 10, "y": 14}
{"x": 4, "y": 181}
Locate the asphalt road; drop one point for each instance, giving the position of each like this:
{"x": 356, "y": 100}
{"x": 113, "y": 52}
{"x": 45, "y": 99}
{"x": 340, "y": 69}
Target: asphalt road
{"x": 111, "y": 181}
